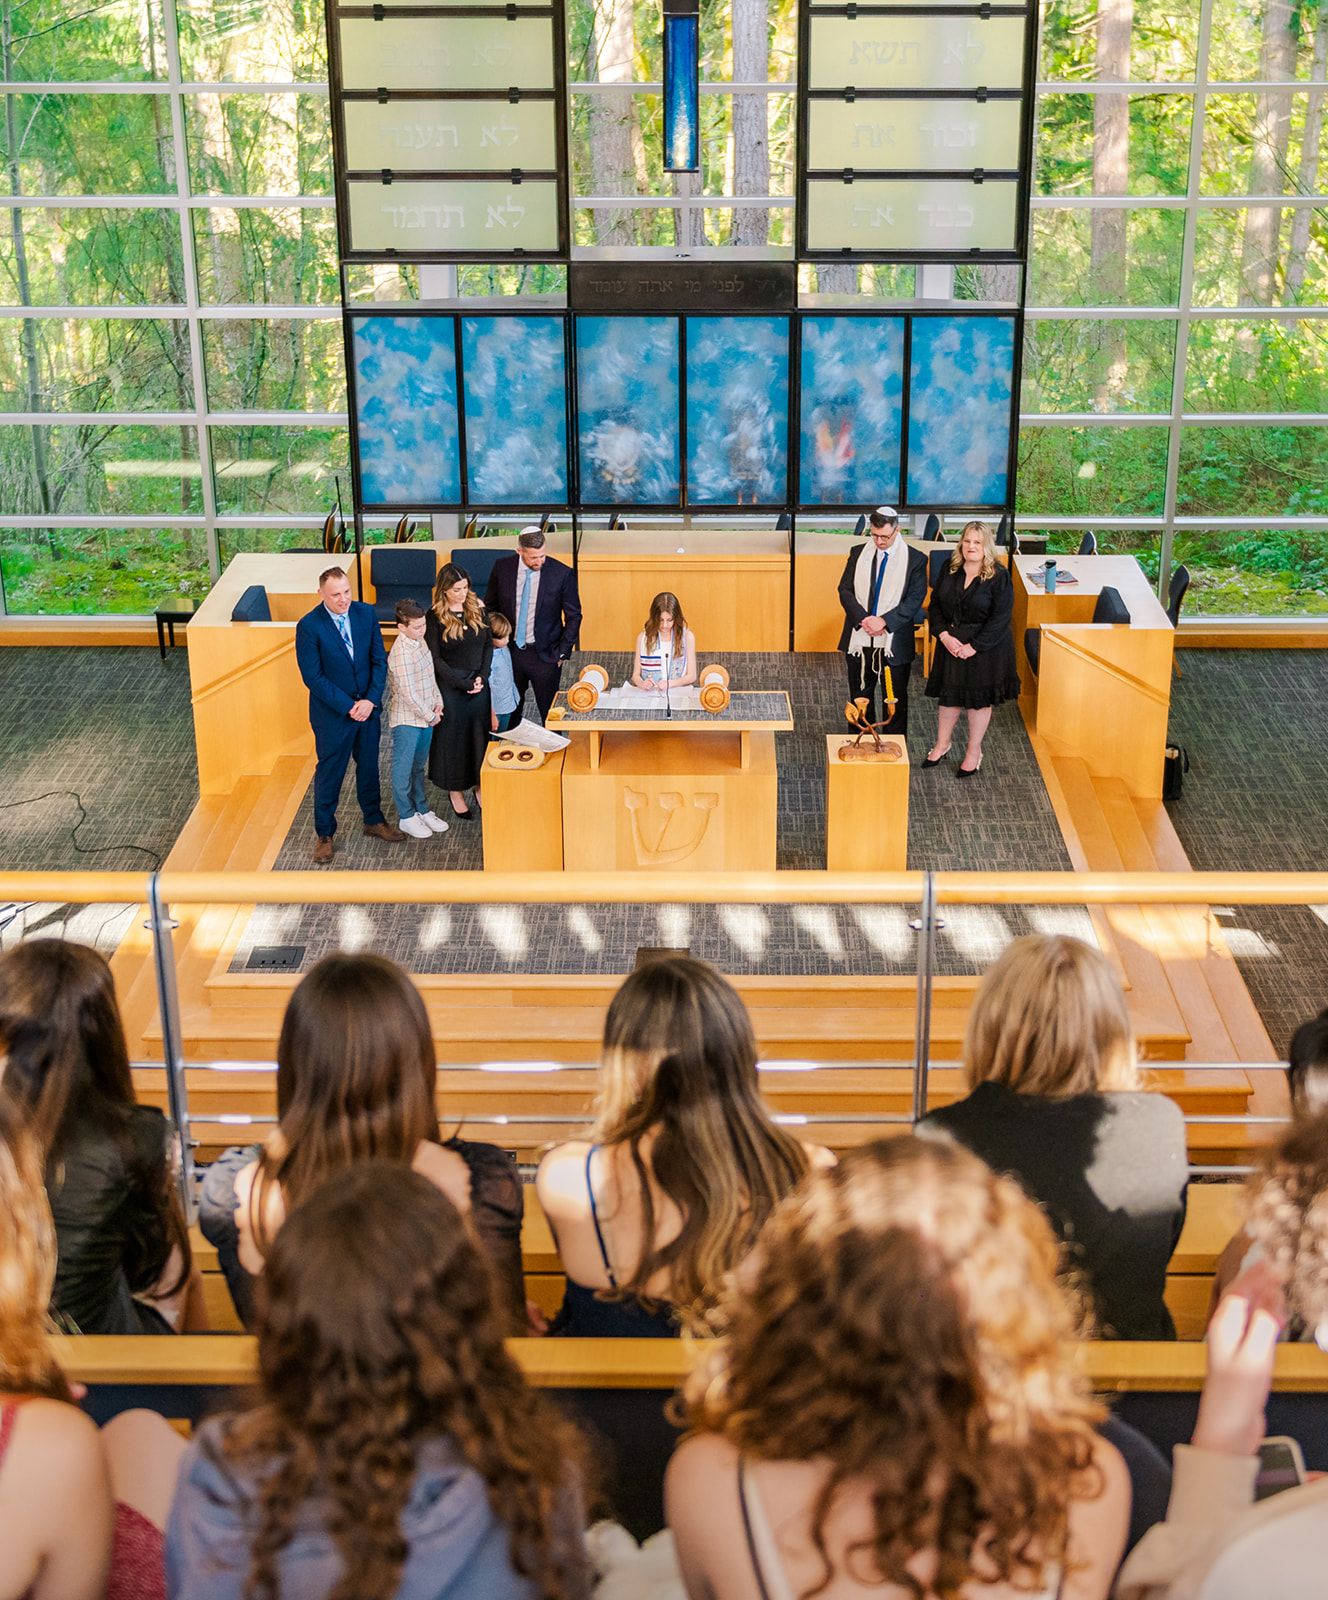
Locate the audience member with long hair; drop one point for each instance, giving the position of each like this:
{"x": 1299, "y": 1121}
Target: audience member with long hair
{"x": 892, "y": 1409}
{"x": 80, "y": 1516}
{"x": 397, "y": 1450}
{"x": 684, "y": 1164}
{"x": 123, "y": 1264}
{"x": 1291, "y": 1179}
{"x": 357, "y": 1079}
{"x": 1055, "y": 1101}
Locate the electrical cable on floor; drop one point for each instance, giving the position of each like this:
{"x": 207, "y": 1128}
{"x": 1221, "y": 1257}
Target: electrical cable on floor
{"x": 83, "y": 850}
{"x": 11, "y": 910}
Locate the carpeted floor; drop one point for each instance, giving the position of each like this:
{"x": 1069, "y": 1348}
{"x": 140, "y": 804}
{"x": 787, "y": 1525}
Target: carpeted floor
{"x": 110, "y": 729}
{"x": 1001, "y": 820}
{"x": 1256, "y": 800}
{"x": 97, "y": 751}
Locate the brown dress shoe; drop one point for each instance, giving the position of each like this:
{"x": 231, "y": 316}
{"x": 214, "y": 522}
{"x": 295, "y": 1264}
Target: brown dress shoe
{"x": 384, "y": 831}
{"x": 323, "y": 850}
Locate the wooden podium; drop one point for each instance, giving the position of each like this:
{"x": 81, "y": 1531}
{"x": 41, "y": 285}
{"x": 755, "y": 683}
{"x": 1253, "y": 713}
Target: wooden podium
{"x": 866, "y": 811}
{"x": 696, "y": 792}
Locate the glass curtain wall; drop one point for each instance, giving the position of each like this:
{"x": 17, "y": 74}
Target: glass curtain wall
{"x": 1174, "y": 382}
{"x": 171, "y": 374}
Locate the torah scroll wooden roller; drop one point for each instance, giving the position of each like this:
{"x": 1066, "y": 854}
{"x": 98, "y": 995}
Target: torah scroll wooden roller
{"x": 585, "y": 692}
{"x": 714, "y": 685}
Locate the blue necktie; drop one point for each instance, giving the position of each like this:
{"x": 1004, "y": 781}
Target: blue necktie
{"x": 344, "y": 628}
{"x": 523, "y": 611}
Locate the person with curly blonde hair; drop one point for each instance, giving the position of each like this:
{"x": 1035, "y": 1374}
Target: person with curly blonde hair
{"x": 1055, "y": 1100}
{"x": 397, "y": 1450}
{"x": 893, "y": 1407}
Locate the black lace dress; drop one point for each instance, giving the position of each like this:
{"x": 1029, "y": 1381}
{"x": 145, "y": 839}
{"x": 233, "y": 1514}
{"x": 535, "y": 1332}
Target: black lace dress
{"x": 461, "y": 738}
{"x": 978, "y": 615}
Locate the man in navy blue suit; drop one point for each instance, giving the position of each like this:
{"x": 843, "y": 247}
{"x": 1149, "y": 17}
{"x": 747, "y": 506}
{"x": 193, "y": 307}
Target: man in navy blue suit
{"x": 538, "y": 597}
{"x": 344, "y": 666}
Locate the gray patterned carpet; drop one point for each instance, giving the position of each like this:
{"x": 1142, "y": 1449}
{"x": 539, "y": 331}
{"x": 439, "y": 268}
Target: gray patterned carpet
{"x": 112, "y": 727}
{"x": 1002, "y": 820}
{"x": 105, "y": 729}
{"x": 1256, "y": 800}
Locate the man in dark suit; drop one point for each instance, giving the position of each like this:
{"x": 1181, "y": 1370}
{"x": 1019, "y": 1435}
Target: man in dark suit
{"x": 538, "y": 597}
{"x": 882, "y": 593}
{"x": 344, "y": 666}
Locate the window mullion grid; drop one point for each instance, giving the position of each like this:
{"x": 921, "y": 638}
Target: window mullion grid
{"x": 1188, "y": 244}
{"x": 185, "y": 215}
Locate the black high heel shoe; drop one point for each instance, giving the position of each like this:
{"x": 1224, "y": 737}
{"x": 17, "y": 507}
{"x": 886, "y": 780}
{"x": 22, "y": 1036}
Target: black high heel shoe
{"x": 929, "y": 761}
{"x": 969, "y": 772}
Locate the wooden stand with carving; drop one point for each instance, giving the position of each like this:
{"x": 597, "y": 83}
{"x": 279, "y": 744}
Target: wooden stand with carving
{"x": 866, "y": 811}
{"x": 657, "y": 800}
{"x": 522, "y": 816}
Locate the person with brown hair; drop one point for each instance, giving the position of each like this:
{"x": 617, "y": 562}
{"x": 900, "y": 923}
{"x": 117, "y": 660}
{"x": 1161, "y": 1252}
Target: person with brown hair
{"x": 356, "y": 1081}
{"x": 123, "y": 1247}
{"x": 684, "y": 1163}
{"x": 892, "y": 1408}
{"x": 1055, "y": 1100}
{"x": 397, "y": 1450}
{"x": 973, "y": 667}
{"x": 461, "y": 644}
{"x": 665, "y": 648}
{"x": 81, "y": 1516}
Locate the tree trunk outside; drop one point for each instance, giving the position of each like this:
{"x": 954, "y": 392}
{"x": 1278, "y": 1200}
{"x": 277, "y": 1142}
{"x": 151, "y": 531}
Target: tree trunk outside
{"x": 1268, "y": 154}
{"x": 837, "y": 277}
{"x": 1307, "y": 180}
{"x": 1111, "y": 175}
{"x": 688, "y": 222}
{"x": 612, "y": 160}
{"x": 751, "y": 121}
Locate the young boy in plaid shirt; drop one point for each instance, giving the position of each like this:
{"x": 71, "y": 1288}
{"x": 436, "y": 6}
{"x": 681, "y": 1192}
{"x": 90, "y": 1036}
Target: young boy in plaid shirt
{"x": 416, "y": 709}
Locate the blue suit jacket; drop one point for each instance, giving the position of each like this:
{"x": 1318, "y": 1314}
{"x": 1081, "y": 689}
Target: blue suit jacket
{"x": 333, "y": 680}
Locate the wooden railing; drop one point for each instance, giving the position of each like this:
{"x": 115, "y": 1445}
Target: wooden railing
{"x": 230, "y": 1360}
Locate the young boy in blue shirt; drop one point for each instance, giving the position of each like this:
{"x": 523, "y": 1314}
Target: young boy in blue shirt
{"x": 504, "y": 700}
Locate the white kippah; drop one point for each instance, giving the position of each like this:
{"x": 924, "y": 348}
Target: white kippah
{"x": 888, "y": 512}
{"x": 531, "y": 527}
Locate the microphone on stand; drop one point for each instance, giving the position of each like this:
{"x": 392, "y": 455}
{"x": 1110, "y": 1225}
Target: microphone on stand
{"x": 668, "y": 704}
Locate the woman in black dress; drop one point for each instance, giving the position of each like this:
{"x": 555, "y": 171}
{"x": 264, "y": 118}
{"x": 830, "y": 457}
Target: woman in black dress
{"x": 973, "y": 668}
{"x": 457, "y": 634}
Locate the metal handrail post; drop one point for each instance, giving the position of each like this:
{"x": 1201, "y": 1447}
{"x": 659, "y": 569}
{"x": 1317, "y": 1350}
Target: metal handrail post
{"x": 926, "y": 926}
{"x": 172, "y": 1038}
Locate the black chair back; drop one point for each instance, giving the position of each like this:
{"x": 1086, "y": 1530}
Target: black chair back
{"x": 252, "y": 606}
{"x": 1110, "y": 607}
{"x": 933, "y": 527}
{"x": 783, "y": 525}
{"x": 401, "y": 574}
{"x": 1088, "y": 544}
{"x": 1180, "y": 582}
{"x": 936, "y": 560}
{"x": 1033, "y": 648}
{"x": 478, "y": 563}
{"x": 1003, "y": 531}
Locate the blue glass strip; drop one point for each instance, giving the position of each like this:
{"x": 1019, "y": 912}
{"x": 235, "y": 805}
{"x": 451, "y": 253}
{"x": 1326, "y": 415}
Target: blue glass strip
{"x": 406, "y": 410}
{"x": 682, "y": 94}
{"x": 960, "y": 392}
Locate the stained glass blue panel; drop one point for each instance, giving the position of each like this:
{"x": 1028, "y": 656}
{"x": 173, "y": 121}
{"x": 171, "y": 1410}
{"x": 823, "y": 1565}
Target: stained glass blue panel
{"x": 406, "y": 409}
{"x": 682, "y": 93}
{"x": 627, "y": 399}
{"x": 961, "y": 378}
{"x": 514, "y": 376}
{"x": 737, "y": 410}
{"x": 852, "y": 398}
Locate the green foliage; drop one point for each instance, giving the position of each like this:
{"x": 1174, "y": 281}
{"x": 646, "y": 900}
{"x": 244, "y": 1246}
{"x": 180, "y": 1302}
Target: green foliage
{"x": 91, "y": 570}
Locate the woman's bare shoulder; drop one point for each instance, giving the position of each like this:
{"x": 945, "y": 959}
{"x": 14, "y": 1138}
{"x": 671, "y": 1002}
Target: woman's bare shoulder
{"x": 560, "y": 1183}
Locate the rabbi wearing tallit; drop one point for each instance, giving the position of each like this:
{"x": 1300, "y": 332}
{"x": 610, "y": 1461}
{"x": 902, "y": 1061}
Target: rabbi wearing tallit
{"x": 882, "y": 593}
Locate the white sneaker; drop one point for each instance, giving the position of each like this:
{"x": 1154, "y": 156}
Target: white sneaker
{"x": 415, "y": 827}
{"x": 431, "y": 820}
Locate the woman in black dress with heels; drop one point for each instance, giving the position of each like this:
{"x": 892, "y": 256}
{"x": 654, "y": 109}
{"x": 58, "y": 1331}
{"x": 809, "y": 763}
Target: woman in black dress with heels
{"x": 457, "y": 634}
{"x": 973, "y": 668}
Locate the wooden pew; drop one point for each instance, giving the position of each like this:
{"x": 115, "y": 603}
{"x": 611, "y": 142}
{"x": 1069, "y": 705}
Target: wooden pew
{"x": 1215, "y": 1214}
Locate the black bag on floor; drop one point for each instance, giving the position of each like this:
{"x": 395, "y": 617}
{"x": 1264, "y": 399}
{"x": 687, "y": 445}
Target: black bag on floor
{"x": 1175, "y": 764}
